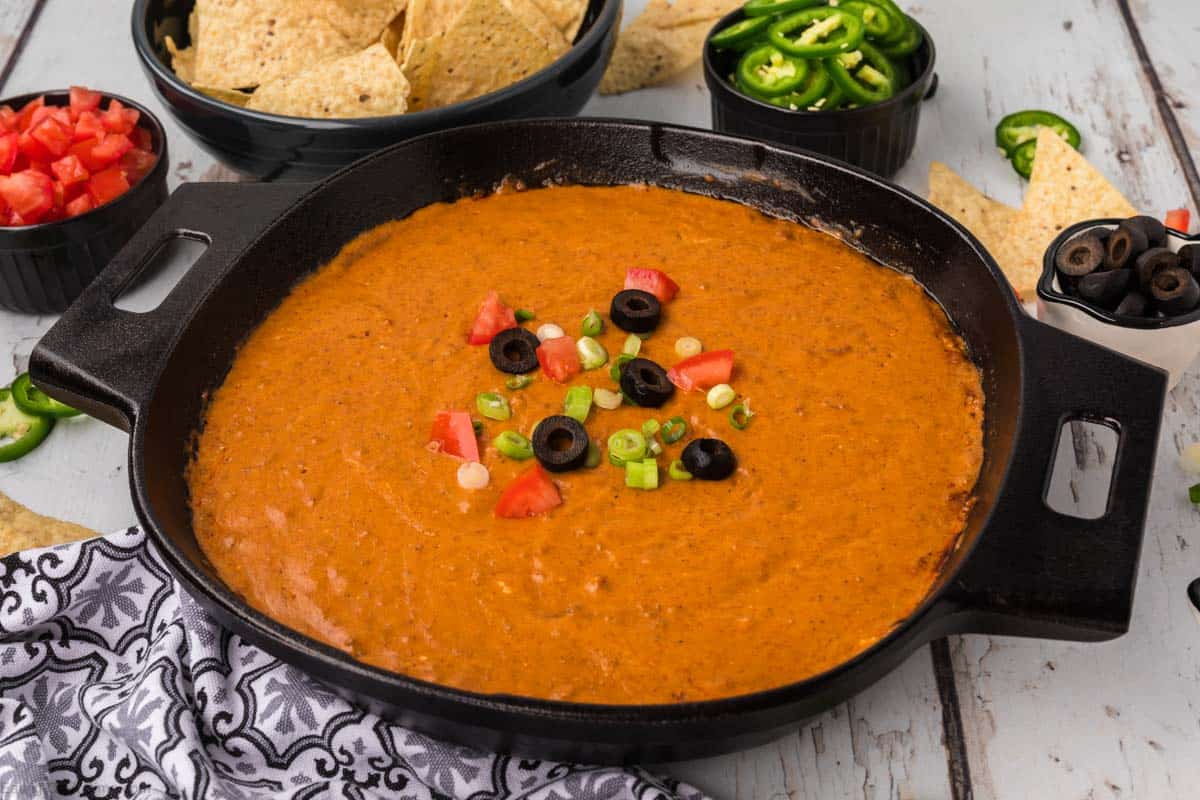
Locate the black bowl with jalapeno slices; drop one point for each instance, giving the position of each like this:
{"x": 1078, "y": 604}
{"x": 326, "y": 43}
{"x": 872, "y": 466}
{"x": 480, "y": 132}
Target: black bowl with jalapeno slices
{"x": 844, "y": 80}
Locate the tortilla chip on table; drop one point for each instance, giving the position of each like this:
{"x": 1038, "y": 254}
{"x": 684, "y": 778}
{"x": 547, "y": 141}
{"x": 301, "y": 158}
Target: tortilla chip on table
{"x": 989, "y": 220}
{"x": 22, "y": 529}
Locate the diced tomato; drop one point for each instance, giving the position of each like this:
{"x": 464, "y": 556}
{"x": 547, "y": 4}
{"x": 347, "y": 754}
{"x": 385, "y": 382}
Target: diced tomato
{"x": 454, "y": 435}
{"x": 559, "y": 358}
{"x": 1179, "y": 219}
{"x": 80, "y": 205}
{"x": 25, "y": 115}
{"x": 88, "y": 126}
{"x": 32, "y": 148}
{"x": 136, "y": 163}
{"x": 119, "y": 119}
{"x": 40, "y": 166}
{"x": 142, "y": 139}
{"x": 54, "y": 136}
{"x": 111, "y": 148}
{"x": 29, "y": 194}
{"x": 654, "y": 281}
{"x": 107, "y": 185}
{"x": 492, "y": 318}
{"x": 8, "y": 152}
{"x": 83, "y": 99}
{"x": 69, "y": 170}
{"x": 8, "y": 118}
{"x": 702, "y": 371}
{"x": 530, "y": 494}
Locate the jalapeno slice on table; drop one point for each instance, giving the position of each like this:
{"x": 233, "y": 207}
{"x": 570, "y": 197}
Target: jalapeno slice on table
{"x": 815, "y": 87}
{"x": 864, "y": 75}
{"x": 817, "y": 33}
{"x": 19, "y": 432}
{"x": 33, "y": 400}
{"x": 740, "y": 35}
{"x": 1022, "y": 158}
{"x": 767, "y": 72}
{"x": 1016, "y": 129}
{"x": 767, "y": 8}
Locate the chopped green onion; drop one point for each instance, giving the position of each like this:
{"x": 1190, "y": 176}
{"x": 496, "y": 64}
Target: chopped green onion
{"x": 593, "y": 456}
{"x": 606, "y": 399}
{"x": 478, "y": 426}
{"x": 739, "y": 416}
{"x": 492, "y": 405}
{"x": 720, "y": 396}
{"x": 632, "y": 346}
{"x": 514, "y": 445}
{"x": 677, "y": 472}
{"x": 578, "y": 403}
{"x": 473, "y": 475}
{"x": 1194, "y": 493}
{"x": 653, "y": 447}
{"x": 518, "y": 382}
{"x": 614, "y": 372}
{"x": 523, "y": 314}
{"x": 549, "y": 331}
{"x": 642, "y": 474}
{"x": 674, "y": 429}
{"x": 687, "y": 347}
{"x": 650, "y": 427}
{"x": 592, "y": 324}
{"x": 626, "y": 445}
{"x": 616, "y": 462}
{"x": 591, "y": 353}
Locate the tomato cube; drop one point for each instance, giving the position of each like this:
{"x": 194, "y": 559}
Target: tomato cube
{"x": 32, "y": 148}
{"x": 53, "y": 135}
{"x": 8, "y": 151}
{"x": 111, "y": 148}
{"x": 559, "y": 358}
{"x": 83, "y": 99}
{"x": 88, "y": 126}
{"x": 494, "y": 316}
{"x": 119, "y": 119}
{"x": 142, "y": 139}
{"x": 530, "y": 494}
{"x": 25, "y": 115}
{"x": 107, "y": 185}
{"x": 654, "y": 281}
{"x": 454, "y": 434}
{"x": 136, "y": 163}
{"x": 80, "y": 205}
{"x": 8, "y": 118}
{"x": 1178, "y": 219}
{"x": 703, "y": 371}
{"x": 29, "y": 194}
{"x": 69, "y": 170}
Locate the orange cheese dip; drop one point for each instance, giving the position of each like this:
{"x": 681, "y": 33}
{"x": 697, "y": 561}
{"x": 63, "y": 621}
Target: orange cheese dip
{"x": 316, "y": 497}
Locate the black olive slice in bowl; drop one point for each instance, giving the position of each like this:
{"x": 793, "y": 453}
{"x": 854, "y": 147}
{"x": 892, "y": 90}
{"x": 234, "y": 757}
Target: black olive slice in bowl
{"x": 1175, "y": 291}
{"x": 1105, "y": 289}
{"x": 1133, "y": 304}
{"x": 1081, "y": 255}
{"x": 709, "y": 459}
{"x": 1156, "y": 232}
{"x": 635, "y": 311}
{"x": 560, "y": 443}
{"x": 1151, "y": 261}
{"x": 1189, "y": 259}
{"x": 1125, "y": 244}
{"x": 514, "y": 350}
{"x": 646, "y": 383}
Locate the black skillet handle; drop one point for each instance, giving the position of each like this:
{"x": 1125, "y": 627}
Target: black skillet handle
{"x": 1036, "y": 572}
{"x": 103, "y": 360}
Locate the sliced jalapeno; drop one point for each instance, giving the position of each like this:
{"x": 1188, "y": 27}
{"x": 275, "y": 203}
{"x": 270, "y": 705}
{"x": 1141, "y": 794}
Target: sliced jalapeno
{"x": 814, "y": 88}
{"x": 817, "y": 33}
{"x": 766, "y": 72}
{"x": 1021, "y": 127}
{"x": 19, "y": 432}
{"x": 33, "y": 400}
{"x": 740, "y": 35}
{"x": 906, "y": 45}
{"x": 878, "y": 22}
{"x": 864, "y": 75}
{"x": 1022, "y": 158}
{"x": 767, "y": 8}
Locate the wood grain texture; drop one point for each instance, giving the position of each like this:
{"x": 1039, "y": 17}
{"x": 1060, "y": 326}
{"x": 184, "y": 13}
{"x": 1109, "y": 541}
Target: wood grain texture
{"x": 16, "y": 20}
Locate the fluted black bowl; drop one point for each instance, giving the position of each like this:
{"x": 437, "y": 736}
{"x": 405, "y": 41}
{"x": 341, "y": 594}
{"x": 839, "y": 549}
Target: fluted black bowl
{"x": 270, "y": 146}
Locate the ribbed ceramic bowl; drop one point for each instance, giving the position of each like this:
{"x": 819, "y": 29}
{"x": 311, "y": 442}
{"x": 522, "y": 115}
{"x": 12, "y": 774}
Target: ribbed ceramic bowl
{"x": 44, "y": 267}
{"x": 879, "y": 137}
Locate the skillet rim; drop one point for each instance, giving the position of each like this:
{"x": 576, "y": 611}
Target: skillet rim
{"x": 334, "y": 660}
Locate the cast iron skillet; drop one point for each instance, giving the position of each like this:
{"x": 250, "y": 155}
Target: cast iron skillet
{"x": 1021, "y": 569}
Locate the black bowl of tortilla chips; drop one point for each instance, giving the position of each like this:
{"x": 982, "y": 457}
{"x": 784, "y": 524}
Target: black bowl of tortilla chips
{"x": 277, "y": 89}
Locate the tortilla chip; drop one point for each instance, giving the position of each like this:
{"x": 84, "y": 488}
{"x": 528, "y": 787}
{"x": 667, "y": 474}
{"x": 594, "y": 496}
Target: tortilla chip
{"x": 540, "y": 25}
{"x": 989, "y": 220}
{"x": 392, "y": 36}
{"x": 1063, "y": 189}
{"x": 486, "y": 48}
{"x": 567, "y": 15}
{"x": 231, "y": 96}
{"x": 183, "y": 62}
{"x": 245, "y": 43}
{"x": 366, "y": 84}
{"x": 362, "y": 22}
{"x": 427, "y": 18}
{"x": 22, "y": 529}
{"x": 663, "y": 41}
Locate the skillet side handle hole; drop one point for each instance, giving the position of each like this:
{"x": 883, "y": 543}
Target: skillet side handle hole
{"x": 1082, "y": 472}
{"x": 159, "y": 274}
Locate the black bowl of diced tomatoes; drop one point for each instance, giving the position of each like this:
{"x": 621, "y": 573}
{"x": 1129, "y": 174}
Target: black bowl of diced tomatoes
{"x": 80, "y": 172}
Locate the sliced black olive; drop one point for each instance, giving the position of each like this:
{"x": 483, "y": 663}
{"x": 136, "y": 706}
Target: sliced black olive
{"x": 1152, "y": 261}
{"x": 514, "y": 350}
{"x": 1156, "y": 232}
{"x": 1124, "y": 245}
{"x": 1081, "y": 255}
{"x": 635, "y": 311}
{"x": 709, "y": 459}
{"x": 1175, "y": 291}
{"x": 1132, "y": 305}
{"x": 560, "y": 443}
{"x": 1105, "y": 289}
{"x": 1189, "y": 259}
{"x": 646, "y": 383}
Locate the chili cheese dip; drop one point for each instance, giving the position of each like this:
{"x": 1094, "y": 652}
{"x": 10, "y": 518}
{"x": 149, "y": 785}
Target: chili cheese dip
{"x": 319, "y": 493}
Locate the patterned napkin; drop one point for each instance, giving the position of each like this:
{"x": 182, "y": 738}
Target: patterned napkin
{"x": 115, "y": 684}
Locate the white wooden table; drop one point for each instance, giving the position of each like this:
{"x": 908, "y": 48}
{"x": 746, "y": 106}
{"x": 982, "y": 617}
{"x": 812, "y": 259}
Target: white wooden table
{"x": 972, "y": 717}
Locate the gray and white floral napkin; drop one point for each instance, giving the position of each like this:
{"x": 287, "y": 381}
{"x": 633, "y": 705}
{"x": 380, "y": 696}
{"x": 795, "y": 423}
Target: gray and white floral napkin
{"x": 115, "y": 684}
